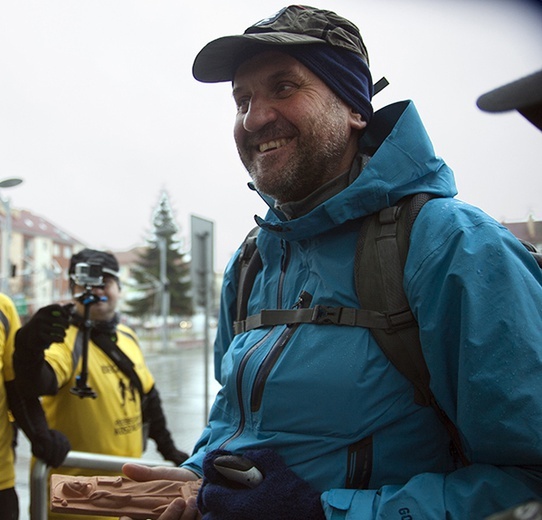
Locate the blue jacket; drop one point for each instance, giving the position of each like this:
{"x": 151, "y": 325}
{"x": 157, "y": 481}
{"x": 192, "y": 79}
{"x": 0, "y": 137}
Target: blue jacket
{"x": 326, "y": 398}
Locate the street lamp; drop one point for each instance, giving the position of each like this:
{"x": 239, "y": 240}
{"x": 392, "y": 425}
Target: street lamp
{"x": 6, "y": 239}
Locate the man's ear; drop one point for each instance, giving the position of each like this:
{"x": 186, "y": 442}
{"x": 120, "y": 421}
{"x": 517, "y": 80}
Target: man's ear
{"x": 356, "y": 120}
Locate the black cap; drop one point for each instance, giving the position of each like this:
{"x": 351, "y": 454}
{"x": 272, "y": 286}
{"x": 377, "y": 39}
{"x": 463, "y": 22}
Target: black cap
{"x": 108, "y": 262}
{"x": 523, "y": 95}
{"x": 293, "y": 25}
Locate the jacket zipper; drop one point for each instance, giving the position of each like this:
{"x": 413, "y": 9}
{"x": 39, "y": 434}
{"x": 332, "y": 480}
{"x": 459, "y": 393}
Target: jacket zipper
{"x": 274, "y": 354}
{"x": 250, "y": 352}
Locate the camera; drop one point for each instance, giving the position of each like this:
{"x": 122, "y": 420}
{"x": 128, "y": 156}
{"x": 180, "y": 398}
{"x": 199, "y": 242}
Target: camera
{"x": 88, "y": 275}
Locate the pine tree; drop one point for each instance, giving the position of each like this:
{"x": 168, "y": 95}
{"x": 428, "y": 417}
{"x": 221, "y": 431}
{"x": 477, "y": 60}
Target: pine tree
{"x": 148, "y": 268}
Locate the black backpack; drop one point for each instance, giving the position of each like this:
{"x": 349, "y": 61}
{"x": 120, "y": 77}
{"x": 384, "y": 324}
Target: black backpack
{"x": 382, "y": 249}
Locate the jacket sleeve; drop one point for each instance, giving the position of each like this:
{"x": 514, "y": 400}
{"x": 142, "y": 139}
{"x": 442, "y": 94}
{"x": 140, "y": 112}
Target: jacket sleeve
{"x": 28, "y": 413}
{"x": 477, "y": 295}
{"x": 34, "y": 376}
{"x": 49, "y": 445}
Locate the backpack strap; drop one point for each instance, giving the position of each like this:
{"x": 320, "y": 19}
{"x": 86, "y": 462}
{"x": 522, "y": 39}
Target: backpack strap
{"x": 112, "y": 350}
{"x": 123, "y": 362}
{"x": 378, "y": 269}
{"x": 324, "y": 315}
{"x": 4, "y": 320}
{"x": 379, "y": 266}
{"x": 250, "y": 262}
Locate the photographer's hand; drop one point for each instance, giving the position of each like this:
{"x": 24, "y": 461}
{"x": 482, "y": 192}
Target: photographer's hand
{"x": 34, "y": 376}
{"x": 47, "y": 326}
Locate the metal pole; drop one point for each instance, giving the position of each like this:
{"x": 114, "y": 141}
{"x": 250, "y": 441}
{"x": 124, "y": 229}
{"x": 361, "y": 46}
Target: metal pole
{"x": 165, "y": 291}
{"x": 206, "y": 346}
{"x": 203, "y": 239}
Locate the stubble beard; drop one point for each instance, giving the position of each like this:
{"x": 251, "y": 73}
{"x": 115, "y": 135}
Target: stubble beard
{"x": 314, "y": 162}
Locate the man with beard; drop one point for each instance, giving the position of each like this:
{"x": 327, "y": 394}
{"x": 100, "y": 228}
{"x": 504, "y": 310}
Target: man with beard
{"x": 316, "y": 405}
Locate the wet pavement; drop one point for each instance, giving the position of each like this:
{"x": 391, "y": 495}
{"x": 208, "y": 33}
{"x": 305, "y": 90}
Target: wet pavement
{"x": 180, "y": 379}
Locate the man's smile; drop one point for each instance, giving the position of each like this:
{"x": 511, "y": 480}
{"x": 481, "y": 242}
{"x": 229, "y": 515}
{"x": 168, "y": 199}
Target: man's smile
{"x": 273, "y": 145}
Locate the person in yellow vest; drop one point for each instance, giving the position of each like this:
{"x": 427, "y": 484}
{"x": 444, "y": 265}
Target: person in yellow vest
{"x": 9, "y": 323}
{"x": 102, "y": 409}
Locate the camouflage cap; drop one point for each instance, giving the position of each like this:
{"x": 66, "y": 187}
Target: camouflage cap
{"x": 292, "y": 25}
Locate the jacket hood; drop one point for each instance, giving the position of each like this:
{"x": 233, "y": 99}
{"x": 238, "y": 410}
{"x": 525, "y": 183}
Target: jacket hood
{"x": 403, "y": 162}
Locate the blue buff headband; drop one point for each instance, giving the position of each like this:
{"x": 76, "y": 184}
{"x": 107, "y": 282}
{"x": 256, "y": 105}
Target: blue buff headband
{"x": 342, "y": 71}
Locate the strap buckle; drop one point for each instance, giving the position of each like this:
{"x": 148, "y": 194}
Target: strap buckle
{"x": 399, "y": 320}
{"x": 324, "y": 315}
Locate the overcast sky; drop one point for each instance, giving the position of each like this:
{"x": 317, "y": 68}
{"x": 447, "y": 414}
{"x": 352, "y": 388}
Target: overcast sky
{"x": 99, "y": 111}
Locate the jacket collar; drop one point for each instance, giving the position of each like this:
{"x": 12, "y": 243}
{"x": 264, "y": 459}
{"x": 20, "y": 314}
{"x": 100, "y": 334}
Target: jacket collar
{"x": 403, "y": 162}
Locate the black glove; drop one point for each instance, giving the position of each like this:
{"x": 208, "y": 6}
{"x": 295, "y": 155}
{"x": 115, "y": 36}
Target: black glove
{"x": 176, "y": 456}
{"x": 47, "y": 326}
{"x": 51, "y": 446}
{"x": 281, "y": 494}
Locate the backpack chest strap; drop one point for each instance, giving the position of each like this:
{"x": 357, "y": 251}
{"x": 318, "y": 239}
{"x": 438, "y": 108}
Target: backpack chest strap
{"x": 323, "y": 315}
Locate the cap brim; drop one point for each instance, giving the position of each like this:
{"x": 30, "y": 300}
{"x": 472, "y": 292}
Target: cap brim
{"x": 524, "y": 92}
{"x": 110, "y": 271}
{"x": 218, "y": 60}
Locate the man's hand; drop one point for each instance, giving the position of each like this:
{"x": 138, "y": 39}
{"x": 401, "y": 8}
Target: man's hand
{"x": 281, "y": 494}
{"x": 47, "y": 326}
{"x": 179, "y": 509}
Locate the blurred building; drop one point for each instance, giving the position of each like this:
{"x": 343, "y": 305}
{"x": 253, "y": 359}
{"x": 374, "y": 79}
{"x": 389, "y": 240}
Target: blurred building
{"x": 39, "y": 256}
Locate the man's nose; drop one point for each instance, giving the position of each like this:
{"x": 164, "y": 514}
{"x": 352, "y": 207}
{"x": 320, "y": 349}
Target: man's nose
{"x": 260, "y": 112}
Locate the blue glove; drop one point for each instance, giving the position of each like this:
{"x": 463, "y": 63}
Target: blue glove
{"x": 281, "y": 494}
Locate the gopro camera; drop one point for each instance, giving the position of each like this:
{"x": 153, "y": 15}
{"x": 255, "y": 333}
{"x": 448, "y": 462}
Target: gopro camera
{"x": 88, "y": 275}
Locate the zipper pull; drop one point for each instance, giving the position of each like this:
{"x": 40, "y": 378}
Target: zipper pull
{"x": 304, "y": 301}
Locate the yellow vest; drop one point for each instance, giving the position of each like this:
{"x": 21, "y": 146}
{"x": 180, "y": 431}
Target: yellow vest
{"x": 9, "y": 324}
